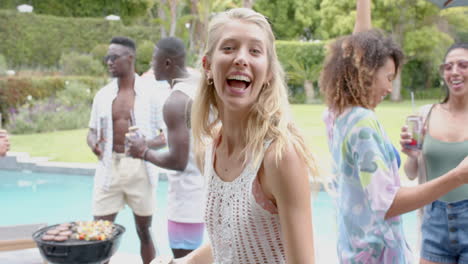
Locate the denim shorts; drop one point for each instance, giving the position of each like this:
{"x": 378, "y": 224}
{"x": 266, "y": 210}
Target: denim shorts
{"x": 445, "y": 232}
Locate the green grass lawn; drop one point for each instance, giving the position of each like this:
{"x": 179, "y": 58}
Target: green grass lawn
{"x": 70, "y": 146}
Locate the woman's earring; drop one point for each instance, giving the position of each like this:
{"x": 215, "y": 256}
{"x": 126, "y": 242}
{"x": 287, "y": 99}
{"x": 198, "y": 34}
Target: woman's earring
{"x": 209, "y": 81}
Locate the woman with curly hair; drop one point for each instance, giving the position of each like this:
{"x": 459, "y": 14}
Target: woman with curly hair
{"x": 256, "y": 164}
{"x": 357, "y": 75}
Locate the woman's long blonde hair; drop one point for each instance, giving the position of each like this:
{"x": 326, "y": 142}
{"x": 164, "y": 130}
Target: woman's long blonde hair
{"x": 269, "y": 118}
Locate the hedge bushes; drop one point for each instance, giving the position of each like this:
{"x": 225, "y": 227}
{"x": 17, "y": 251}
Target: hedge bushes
{"x": 81, "y": 65}
{"x": 94, "y": 8}
{"x": 30, "y": 40}
{"x": 144, "y": 56}
{"x": 127, "y": 10}
{"x": 3, "y": 65}
{"x": 68, "y": 109}
{"x": 14, "y": 91}
{"x": 39, "y": 40}
{"x": 436, "y": 94}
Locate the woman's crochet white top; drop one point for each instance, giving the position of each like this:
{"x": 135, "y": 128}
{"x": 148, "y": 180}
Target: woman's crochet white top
{"x": 240, "y": 230}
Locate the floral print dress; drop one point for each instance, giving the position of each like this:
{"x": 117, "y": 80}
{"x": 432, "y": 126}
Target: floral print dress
{"x": 366, "y": 182}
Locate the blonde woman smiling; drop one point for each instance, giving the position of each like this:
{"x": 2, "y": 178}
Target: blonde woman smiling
{"x": 255, "y": 163}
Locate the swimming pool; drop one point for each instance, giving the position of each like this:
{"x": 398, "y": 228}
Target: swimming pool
{"x": 52, "y": 198}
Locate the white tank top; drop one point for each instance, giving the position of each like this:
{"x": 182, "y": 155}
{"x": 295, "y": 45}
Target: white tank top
{"x": 186, "y": 194}
{"x": 240, "y": 230}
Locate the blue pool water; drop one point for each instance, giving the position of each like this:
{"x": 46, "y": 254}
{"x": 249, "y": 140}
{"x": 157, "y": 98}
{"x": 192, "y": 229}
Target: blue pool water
{"x": 51, "y": 198}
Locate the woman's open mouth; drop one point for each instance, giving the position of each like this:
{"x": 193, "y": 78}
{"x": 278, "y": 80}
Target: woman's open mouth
{"x": 238, "y": 83}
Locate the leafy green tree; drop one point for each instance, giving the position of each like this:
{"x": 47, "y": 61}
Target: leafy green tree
{"x": 308, "y": 74}
{"x": 143, "y": 56}
{"x": 413, "y": 24}
{"x": 302, "y": 62}
{"x": 173, "y": 16}
{"x": 456, "y": 22}
{"x": 201, "y": 11}
{"x": 291, "y": 19}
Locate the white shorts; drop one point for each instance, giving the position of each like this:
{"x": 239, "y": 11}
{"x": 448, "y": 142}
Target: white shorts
{"x": 129, "y": 185}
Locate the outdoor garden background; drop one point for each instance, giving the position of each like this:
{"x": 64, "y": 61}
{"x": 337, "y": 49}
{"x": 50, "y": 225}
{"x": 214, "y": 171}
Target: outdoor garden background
{"x": 51, "y": 66}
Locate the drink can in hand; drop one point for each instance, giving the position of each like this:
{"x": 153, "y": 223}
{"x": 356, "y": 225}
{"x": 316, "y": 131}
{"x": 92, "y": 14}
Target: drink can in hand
{"x": 102, "y": 132}
{"x": 132, "y": 133}
{"x": 415, "y": 128}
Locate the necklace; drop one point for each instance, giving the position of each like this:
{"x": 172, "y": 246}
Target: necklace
{"x": 225, "y": 163}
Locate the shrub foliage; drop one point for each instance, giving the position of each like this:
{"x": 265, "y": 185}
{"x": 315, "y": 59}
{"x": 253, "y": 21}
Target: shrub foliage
{"x": 39, "y": 40}
{"x": 15, "y": 91}
{"x": 68, "y": 109}
{"x": 81, "y": 65}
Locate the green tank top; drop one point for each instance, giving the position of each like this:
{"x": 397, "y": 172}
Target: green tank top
{"x": 441, "y": 157}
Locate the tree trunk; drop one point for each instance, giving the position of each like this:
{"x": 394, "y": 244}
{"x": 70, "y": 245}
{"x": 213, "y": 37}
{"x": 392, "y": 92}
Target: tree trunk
{"x": 248, "y": 3}
{"x": 195, "y": 27}
{"x": 198, "y": 27}
{"x": 173, "y": 8}
{"x": 309, "y": 91}
{"x": 162, "y": 16}
{"x": 398, "y": 36}
{"x": 396, "y": 91}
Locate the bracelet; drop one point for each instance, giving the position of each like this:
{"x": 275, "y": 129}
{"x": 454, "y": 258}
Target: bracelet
{"x": 143, "y": 156}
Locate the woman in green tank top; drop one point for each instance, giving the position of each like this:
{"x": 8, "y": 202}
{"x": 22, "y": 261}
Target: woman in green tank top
{"x": 444, "y": 224}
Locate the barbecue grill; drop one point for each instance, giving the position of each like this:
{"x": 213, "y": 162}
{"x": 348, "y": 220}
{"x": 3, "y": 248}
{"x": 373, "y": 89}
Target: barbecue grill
{"x": 74, "y": 251}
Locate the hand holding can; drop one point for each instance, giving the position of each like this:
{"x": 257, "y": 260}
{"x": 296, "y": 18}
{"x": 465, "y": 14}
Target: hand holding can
{"x": 102, "y": 133}
{"x": 415, "y": 128}
{"x": 132, "y": 134}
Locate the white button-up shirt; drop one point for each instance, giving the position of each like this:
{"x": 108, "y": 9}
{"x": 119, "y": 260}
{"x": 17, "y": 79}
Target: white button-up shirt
{"x": 148, "y": 117}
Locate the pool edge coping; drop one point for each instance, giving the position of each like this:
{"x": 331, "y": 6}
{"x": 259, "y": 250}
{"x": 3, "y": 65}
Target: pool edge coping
{"x": 22, "y": 161}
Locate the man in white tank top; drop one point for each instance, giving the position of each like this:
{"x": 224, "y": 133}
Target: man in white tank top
{"x": 186, "y": 185}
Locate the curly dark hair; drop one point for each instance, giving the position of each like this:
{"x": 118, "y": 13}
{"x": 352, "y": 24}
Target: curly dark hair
{"x": 350, "y": 66}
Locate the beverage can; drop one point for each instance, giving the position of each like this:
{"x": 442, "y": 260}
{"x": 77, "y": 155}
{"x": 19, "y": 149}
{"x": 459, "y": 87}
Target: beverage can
{"x": 132, "y": 133}
{"x": 415, "y": 128}
{"x": 133, "y": 129}
{"x": 102, "y": 132}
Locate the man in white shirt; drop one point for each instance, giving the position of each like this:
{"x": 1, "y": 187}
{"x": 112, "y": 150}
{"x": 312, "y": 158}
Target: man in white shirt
{"x": 186, "y": 193}
{"x": 126, "y": 101}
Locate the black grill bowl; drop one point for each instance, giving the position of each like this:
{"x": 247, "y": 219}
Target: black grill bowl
{"x": 75, "y": 251}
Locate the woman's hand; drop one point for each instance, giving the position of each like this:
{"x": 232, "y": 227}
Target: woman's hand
{"x": 170, "y": 260}
{"x": 183, "y": 260}
{"x": 162, "y": 260}
{"x": 405, "y": 140}
{"x": 4, "y": 142}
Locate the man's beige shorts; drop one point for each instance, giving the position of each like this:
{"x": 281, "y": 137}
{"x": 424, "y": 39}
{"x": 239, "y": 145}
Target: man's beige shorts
{"x": 129, "y": 185}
